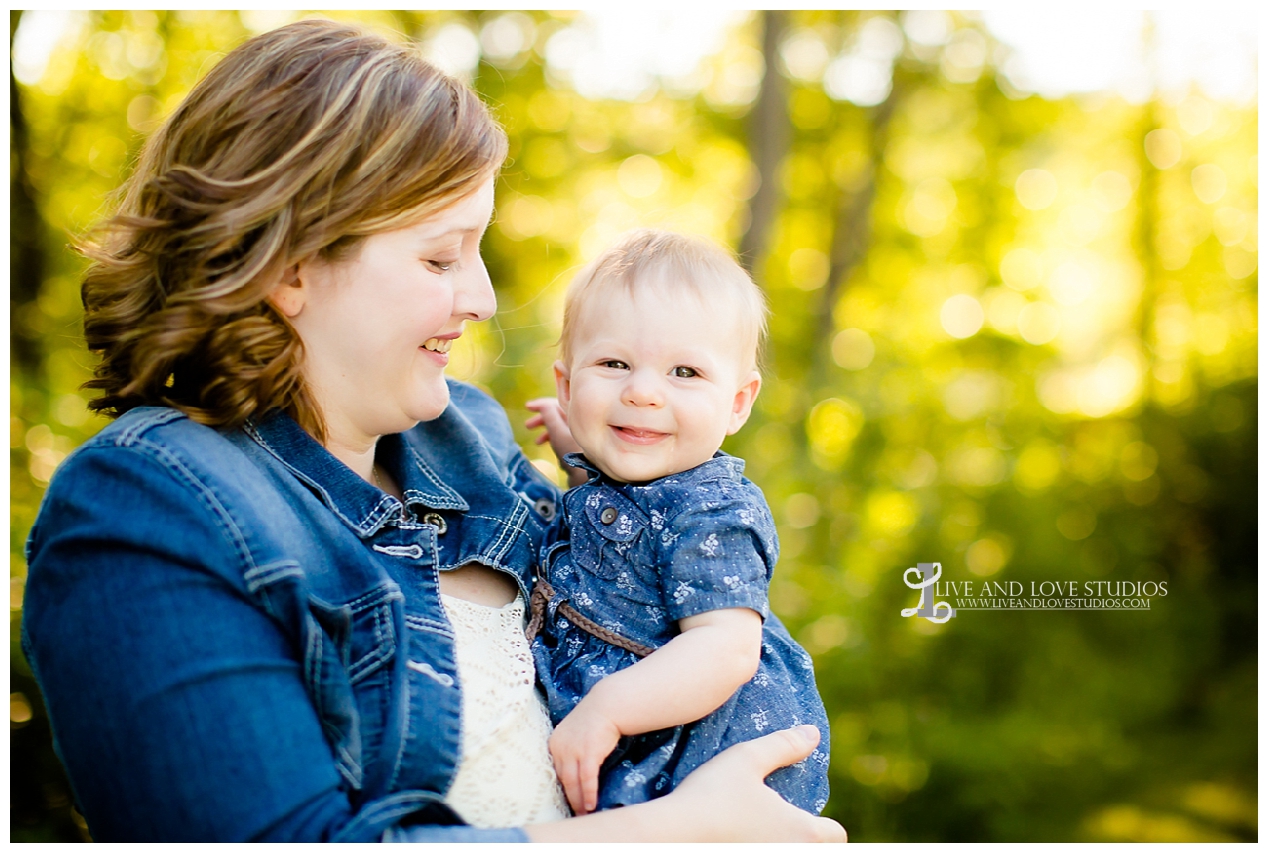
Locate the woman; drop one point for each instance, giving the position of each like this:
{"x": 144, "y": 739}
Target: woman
{"x": 234, "y": 596}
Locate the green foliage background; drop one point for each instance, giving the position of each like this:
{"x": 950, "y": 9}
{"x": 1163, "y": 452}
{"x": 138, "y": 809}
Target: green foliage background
{"x": 1017, "y": 336}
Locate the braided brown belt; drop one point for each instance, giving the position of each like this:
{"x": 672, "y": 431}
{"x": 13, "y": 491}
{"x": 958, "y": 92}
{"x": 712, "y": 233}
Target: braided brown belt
{"x": 540, "y": 597}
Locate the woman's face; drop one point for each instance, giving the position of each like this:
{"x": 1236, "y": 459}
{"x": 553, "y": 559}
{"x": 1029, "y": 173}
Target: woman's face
{"x": 377, "y": 326}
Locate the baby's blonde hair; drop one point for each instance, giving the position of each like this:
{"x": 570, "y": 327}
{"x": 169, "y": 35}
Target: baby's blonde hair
{"x": 648, "y": 258}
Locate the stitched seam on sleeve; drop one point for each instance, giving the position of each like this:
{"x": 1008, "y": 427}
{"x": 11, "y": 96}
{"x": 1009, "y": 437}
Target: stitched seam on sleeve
{"x": 172, "y": 464}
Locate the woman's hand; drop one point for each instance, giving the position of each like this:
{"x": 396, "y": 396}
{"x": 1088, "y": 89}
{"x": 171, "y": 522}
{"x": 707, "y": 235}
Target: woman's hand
{"x": 578, "y": 746}
{"x": 724, "y": 800}
{"x": 729, "y": 799}
{"x": 550, "y": 416}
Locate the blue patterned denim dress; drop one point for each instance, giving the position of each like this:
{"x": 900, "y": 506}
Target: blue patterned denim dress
{"x": 632, "y": 562}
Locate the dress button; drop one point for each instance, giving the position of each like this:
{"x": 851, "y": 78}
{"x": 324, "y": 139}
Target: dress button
{"x": 438, "y": 521}
{"x": 608, "y": 515}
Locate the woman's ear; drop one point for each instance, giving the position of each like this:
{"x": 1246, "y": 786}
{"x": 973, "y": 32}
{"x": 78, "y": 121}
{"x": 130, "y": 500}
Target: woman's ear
{"x": 290, "y": 294}
{"x": 563, "y": 384}
{"x": 742, "y": 405}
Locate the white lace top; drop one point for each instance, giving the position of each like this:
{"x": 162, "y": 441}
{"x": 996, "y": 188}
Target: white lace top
{"x": 505, "y": 776}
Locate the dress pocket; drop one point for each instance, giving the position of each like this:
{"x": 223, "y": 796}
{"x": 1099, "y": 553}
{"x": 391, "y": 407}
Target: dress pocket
{"x": 606, "y": 533}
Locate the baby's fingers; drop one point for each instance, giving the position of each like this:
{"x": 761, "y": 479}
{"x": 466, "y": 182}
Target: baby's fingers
{"x": 590, "y": 785}
{"x": 570, "y": 777}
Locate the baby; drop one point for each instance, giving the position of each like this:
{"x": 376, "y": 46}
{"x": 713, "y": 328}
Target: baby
{"x": 651, "y": 628}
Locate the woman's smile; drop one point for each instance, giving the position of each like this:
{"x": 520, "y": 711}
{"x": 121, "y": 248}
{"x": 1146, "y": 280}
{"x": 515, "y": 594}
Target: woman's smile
{"x": 437, "y": 349}
{"x": 439, "y": 346}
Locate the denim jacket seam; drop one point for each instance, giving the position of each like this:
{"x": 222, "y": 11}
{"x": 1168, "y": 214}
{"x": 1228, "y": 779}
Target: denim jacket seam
{"x": 449, "y": 499}
{"x": 501, "y": 521}
{"x": 180, "y": 472}
{"x": 261, "y": 576}
{"x": 513, "y": 530}
{"x": 385, "y": 644}
{"x": 312, "y": 667}
{"x": 375, "y": 519}
{"x": 389, "y": 808}
{"x": 424, "y": 623}
{"x": 131, "y": 433}
{"x": 383, "y": 512}
{"x": 384, "y": 593}
{"x": 508, "y": 531}
{"x": 398, "y": 760}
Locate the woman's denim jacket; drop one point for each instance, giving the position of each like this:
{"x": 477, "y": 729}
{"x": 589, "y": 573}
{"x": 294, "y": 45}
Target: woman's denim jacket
{"x": 238, "y": 638}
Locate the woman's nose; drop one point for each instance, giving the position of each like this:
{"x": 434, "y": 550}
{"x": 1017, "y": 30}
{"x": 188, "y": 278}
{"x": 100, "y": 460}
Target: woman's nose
{"x": 473, "y": 293}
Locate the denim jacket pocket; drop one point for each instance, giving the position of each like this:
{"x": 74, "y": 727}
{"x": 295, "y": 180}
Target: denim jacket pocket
{"x": 345, "y": 647}
{"x": 361, "y": 630}
{"x": 601, "y": 542}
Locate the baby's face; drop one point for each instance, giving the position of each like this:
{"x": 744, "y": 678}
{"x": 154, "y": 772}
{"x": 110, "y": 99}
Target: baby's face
{"x": 655, "y": 384}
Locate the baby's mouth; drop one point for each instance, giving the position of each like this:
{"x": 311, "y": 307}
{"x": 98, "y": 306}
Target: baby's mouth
{"x": 438, "y": 344}
{"x": 639, "y": 436}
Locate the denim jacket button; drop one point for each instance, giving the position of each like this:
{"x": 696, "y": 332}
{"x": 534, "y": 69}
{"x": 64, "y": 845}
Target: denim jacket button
{"x": 438, "y": 521}
{"x": 608, "y": 515}
{"x": 546, "y": 509}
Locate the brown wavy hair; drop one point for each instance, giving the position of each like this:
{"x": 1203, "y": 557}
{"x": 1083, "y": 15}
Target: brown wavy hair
{"x": 300, "y": 143}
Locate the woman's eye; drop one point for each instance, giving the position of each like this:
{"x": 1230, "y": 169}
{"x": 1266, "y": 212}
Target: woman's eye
{"x": 683, "y": 372}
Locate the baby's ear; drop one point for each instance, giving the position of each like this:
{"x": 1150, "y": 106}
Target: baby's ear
{"x": 742, "y": 405}
{"x": 563, "y": 384}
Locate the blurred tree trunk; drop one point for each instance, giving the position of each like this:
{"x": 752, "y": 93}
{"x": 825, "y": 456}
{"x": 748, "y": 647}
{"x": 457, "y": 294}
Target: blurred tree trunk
{"x": 27, "y": 259}
{"x": 1146, "y": 250}
{"x": 852, "y": 225}
{"x": 1145, "y": 237}
{"x": 769, "y": 134}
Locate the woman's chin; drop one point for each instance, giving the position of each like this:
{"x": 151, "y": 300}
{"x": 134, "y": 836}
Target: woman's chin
{"x": 430, "y": 408}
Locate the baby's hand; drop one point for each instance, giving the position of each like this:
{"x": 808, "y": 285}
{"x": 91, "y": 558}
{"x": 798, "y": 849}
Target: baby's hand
{"x": 580, "y": 743}
{"x": 550, "y": 415}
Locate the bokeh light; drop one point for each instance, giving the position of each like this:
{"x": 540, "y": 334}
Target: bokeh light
{"x": 962, "y": 316}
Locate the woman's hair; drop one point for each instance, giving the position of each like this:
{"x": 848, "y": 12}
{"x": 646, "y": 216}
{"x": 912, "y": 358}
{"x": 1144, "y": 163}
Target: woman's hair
{"x": 679, "y": 264}
{"x": 300, "y": 143}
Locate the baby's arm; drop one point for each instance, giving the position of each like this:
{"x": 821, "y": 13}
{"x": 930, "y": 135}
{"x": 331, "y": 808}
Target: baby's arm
{"x": 689, "y": 677}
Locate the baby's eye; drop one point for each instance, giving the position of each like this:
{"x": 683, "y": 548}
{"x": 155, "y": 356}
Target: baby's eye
{"x": 684, "y": 372}
{"x": 440, "y": 266}
{"x": 614, "y": 364}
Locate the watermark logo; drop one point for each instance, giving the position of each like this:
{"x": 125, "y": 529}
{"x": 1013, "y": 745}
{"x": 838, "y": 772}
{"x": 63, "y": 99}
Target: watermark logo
{"x": 1015, "y": 595}
{"x": 927, "y": 575}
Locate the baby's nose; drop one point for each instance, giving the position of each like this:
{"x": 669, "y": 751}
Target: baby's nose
{"x": 642, "y": 390}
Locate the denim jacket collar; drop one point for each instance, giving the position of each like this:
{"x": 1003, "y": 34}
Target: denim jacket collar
{"x": 721, "y": 465}
{"x": 359, "y": 504}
